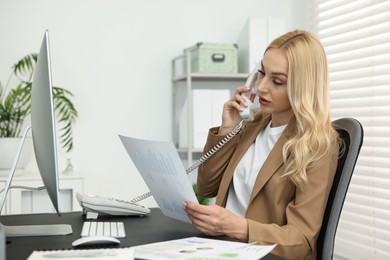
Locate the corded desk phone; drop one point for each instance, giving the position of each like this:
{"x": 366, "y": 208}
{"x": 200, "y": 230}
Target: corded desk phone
{"x": 94, "y": 205}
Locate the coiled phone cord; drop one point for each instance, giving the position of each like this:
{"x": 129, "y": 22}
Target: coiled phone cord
{"x": 202, "y": 159}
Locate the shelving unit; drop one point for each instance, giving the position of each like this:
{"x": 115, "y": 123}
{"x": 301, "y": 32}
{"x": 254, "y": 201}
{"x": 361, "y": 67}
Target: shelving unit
{"x": 184, "y": 81}
{"x": 21, "y": 201}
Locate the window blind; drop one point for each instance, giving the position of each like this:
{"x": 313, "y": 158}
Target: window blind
{"x": 356, "y": 37}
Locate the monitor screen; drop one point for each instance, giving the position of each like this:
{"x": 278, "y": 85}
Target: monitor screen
{"x": 43, "y": 123}
{"x": 45, "y": 145}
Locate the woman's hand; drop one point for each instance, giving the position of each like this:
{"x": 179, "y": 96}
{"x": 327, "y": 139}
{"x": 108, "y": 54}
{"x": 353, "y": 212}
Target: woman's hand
{"x": 231, "y": 111}
{"x": 214, "y": 220}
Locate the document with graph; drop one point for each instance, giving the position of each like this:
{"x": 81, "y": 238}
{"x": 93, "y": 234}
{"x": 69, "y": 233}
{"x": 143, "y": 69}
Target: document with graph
{"x": 163, "y": 172}
{"x": 196, "y": 248}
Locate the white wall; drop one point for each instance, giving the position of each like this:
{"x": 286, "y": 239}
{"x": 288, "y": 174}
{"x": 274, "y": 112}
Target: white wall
{"x": 115, "y": 57}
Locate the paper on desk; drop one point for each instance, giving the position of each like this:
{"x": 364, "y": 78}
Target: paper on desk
{"x": 81, "y": 254}
{"x": 160, "y": 166}
{"x": 201, "y": 249}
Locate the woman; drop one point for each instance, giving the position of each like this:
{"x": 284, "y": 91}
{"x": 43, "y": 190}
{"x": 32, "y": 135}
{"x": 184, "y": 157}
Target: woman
{"x": 272, "y": 180}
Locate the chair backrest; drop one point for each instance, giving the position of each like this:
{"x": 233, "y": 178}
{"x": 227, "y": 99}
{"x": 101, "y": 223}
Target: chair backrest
{"x": 351, "y": 131}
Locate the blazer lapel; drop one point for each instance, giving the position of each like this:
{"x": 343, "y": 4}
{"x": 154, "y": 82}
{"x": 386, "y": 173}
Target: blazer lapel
{"x": 252, "y": 129}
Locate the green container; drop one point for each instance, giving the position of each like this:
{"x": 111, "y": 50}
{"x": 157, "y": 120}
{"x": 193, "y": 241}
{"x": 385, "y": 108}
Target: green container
{"x": 214, "y": 58}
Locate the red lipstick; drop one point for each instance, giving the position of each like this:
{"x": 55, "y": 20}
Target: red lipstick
{"x": 263, "y": 101}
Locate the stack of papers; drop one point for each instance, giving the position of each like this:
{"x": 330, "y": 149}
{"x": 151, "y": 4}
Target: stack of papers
{"x": 192, "y": 248}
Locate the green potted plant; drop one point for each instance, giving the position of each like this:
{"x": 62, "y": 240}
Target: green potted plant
{"x": 201, "y": 200}
{"x": 15, "y": 105}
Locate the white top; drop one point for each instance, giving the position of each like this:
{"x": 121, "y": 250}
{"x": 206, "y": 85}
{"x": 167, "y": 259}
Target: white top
{"x": 246, "y": 172}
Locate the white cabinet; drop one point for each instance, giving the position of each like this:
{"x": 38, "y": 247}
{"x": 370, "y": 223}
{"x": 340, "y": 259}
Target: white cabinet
{"x": 190, "y": 109}
{"x": 23, "y": 201}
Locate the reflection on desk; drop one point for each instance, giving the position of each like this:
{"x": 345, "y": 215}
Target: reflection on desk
{"x": 154, "y": 227}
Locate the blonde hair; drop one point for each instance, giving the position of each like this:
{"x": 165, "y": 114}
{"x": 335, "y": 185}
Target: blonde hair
{"x": 308, "y": 93}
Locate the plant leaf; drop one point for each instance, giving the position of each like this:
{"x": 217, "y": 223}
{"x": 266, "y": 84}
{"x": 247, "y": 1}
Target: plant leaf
{"x": 16, "y": 105}
{"x": 25, "y": 66}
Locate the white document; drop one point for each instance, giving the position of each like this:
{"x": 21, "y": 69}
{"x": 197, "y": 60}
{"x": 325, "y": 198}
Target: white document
{"x": 201, "y": 249}
{"x": 81, "y": 254}
{"x": 162, "y": 170}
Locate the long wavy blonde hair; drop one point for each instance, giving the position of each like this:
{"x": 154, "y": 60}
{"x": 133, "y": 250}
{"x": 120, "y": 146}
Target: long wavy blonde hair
{"x": 308, "y": 93}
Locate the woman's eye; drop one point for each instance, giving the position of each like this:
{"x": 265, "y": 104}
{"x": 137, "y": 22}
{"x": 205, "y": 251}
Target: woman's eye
{"x": 278, "y": 82}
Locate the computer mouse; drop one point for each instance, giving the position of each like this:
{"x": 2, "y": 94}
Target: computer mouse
{"x": 95, "y": 240}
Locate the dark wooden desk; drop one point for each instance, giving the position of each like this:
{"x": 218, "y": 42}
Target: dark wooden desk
{"x": 154, "y": 227}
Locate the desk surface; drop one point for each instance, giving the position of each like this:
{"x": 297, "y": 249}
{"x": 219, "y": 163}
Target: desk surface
{"x": 155, "y": 227}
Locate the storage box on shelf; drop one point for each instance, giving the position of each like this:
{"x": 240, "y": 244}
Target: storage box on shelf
{"x": 213, "y": 57}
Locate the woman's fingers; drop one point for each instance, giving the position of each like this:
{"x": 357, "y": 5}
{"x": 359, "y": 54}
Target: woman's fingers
{"x": 205, "y": 219}
{"x": 238, "y": 96}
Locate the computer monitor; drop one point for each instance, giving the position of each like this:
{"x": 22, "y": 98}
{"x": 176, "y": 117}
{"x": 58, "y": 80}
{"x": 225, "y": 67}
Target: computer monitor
{"x": 45, "y": 145}
{"x": 43, "y": 123}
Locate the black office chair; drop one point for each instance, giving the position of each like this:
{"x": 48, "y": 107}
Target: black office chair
{"x": 351, "y": 131}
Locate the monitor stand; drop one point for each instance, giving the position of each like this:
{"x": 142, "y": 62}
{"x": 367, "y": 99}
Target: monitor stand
{"x": 28, "y": 230}
{"x": 36, "y": 230}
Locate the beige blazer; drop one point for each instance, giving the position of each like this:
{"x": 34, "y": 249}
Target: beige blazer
{"x": 278, "y": 211}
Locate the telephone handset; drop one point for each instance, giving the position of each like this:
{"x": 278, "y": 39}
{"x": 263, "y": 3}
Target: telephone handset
{"x": 248, "y": 112}
{"x": 115, "y": 207}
